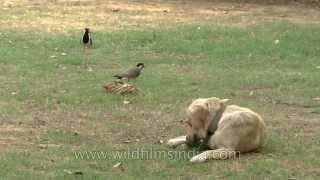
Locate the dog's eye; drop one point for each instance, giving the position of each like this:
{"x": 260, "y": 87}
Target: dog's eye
{"x": 188, "y": 123}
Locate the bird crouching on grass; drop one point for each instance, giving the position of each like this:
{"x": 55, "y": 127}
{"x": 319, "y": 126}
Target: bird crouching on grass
{"x": 131, "y": 73}
{"x": 86, "y": 39}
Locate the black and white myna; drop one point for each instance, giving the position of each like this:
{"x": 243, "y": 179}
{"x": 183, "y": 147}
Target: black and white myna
{"x": 131, "y": 73}
{"x": 86, "y": 39}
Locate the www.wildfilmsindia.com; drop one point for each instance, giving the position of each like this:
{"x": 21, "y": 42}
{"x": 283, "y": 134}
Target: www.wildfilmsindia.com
{"x": 140, "y": 154}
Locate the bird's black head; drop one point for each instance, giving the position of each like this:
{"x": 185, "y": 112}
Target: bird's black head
{"x": 87, "y": 30}
{"x": 140, "y": 65}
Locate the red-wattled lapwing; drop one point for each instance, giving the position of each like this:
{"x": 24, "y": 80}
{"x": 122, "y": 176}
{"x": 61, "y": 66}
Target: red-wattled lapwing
{"x": 87, "y": 39}
{"x": 87, "y": 43}
{"x": 131, "y": 73}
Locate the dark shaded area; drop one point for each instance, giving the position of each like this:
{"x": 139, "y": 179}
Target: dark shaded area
{"x": 272, "y": 2}
{"x": 282, "y": 2}
{"x": 311, "y": 3}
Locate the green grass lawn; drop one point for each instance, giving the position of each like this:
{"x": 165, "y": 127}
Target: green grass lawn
{"x": 51, "y": 106}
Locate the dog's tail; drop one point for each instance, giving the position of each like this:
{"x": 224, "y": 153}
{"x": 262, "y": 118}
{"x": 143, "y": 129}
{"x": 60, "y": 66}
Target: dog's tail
{"x": 217, "y": 154}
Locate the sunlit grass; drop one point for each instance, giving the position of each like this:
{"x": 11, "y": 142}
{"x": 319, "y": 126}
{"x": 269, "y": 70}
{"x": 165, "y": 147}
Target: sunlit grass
{"x": 182, "y": 63}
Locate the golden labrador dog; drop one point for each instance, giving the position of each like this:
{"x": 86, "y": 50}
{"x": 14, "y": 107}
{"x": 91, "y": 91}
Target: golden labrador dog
{"x": 225, "y": 129}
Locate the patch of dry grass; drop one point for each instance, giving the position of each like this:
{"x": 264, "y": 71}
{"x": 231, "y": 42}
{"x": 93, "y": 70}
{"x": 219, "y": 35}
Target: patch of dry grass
{"x": 62, "y": 16}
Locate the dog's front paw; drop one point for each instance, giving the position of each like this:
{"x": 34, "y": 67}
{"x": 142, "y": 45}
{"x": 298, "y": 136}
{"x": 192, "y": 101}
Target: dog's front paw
{"x": 172, "y": 143}
{"x": 200, "y": 158}
{"x": 176, "y": 141}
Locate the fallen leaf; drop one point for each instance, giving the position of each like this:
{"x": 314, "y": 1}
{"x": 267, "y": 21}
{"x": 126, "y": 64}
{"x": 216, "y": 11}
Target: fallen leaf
{"x": 46, "y": 146}
{"x": 43, "y": 146}
{"x": 251, "y": 93}
{"x": 126, "y": 102}
{"x": 117, "y": 165}
{"x": 115, "y": 10}
{"x": 67, "y": 171}
{"x": 292, "y": 178}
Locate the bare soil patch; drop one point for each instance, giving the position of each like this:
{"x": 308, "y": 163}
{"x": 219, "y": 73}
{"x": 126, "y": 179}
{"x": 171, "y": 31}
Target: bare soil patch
{"x": 62, "y": 16}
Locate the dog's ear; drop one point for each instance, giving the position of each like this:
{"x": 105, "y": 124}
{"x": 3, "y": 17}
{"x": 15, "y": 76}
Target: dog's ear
{"x": 224, "y": 101}
{"x": 187, "y": 122}
{"x": 199, "y": 112}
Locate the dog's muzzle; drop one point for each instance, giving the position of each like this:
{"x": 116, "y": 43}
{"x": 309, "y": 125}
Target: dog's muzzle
{"x": 193, "y": 140}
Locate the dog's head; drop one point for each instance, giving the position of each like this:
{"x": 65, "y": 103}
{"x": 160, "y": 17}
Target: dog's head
{"x": 200, "y": 114}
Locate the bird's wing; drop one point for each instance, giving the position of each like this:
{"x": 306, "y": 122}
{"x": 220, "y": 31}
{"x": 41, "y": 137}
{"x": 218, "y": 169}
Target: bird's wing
{"x": 132, "y": 72}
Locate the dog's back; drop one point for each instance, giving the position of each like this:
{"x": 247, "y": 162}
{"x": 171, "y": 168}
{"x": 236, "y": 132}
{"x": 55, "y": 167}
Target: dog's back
{"x": 239, "y": 129}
